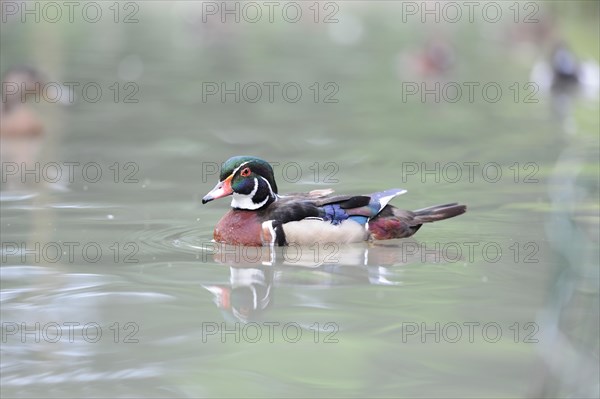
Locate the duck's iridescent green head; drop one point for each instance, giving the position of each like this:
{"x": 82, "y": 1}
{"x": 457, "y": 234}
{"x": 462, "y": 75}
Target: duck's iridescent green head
{"x": 249, "y": 179}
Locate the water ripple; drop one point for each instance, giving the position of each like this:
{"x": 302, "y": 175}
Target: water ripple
{"x": 183, "y": 238}
{"x": 84, "y": 376}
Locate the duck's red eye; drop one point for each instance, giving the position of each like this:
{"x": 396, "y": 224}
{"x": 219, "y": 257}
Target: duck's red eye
{"x": 245, "y": 172}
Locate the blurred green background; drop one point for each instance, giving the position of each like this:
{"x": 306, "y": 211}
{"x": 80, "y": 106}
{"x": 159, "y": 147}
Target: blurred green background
{"x": 165, "y": 132}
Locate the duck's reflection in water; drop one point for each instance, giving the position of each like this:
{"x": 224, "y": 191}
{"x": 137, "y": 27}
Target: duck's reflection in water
{"x": 570, "y": 318}
{"x": 248, "y": 294}
{"x": 257, "y": 272}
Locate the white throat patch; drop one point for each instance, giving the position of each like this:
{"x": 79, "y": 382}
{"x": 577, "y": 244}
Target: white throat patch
{"x": 244, "y": 201}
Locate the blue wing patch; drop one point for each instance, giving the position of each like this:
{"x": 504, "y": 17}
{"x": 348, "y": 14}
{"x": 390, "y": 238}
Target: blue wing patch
{"x": 334, "y": 214}
{"x": 359, "y": 208}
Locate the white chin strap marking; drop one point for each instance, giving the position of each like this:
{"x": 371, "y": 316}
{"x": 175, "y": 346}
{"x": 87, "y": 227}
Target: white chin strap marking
{"x": 244, "y": 201}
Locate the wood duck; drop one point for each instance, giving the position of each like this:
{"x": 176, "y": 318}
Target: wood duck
{"x": 261, "y": 216}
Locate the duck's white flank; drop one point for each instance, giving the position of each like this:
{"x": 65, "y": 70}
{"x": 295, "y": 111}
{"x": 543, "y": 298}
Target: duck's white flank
{"x": 310, "y": 231}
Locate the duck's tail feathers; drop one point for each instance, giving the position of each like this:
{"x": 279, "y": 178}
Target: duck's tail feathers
{"x": 439, "y": 212}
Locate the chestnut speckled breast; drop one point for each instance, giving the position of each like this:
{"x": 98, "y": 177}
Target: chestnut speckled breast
{"x": 239, "y": 227}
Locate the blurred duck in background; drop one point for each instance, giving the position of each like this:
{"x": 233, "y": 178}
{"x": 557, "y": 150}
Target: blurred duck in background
{"x": 564, "y": 78}
{"x": 434, "y": 61}
{"x": 17, "y": 118}
{"x": 563, "y": 72}
{"x": 25, "y": 120}
{"x": 21, "y": 128}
